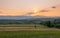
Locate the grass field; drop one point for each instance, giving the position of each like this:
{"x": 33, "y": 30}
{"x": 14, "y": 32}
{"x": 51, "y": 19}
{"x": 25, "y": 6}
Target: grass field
{"x": 27, "y": 31}
{"x": 30, "y": 34}
{"x": 19, "y": 27}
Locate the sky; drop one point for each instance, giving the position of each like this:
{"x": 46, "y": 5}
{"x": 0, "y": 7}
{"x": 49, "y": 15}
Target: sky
{"x": 29, "y": 7}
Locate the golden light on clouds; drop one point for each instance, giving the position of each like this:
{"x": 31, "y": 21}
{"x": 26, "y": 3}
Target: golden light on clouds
{"x": 21, "y": 7}
{"x": 35, "y": 12}
{"x": 51, "y": 12}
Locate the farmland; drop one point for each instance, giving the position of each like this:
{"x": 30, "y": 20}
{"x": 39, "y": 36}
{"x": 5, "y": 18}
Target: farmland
{"x": 28, "y": 31}
{"x": 19, "y": 27}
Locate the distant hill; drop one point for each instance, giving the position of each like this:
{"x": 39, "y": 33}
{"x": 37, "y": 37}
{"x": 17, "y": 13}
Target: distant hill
{"x": 20, "y": 17}
{"x": 26, "y": 19}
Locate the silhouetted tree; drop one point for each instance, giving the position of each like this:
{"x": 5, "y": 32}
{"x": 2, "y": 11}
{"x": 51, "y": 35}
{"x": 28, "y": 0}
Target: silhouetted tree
{"x": 48, "y": 23}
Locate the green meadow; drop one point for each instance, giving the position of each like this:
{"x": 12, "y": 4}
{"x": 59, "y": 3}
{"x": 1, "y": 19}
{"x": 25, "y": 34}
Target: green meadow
{"x": 30, "y": 34}
{"x": 29, "y": 31}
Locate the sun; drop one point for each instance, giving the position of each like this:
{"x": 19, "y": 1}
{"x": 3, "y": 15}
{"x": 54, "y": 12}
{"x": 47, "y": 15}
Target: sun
{"x": 34, "y": 10}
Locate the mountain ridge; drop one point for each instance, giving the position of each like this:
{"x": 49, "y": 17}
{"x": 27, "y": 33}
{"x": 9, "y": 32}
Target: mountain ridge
{"x": 25, "y": 17}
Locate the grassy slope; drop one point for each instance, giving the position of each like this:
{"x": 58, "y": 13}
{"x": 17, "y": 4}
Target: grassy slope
{"x": 30, "y": 34}
{"x": 15, "y": 27}
{"x": 50, "y": 33}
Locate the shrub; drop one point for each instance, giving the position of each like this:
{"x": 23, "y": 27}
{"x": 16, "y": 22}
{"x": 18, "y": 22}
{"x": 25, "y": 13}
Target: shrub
{"x": 48, "y": 23}
{"x": 58, "y": 26}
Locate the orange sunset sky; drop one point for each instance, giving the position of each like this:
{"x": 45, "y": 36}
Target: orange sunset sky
{"x": 29, "y": 7}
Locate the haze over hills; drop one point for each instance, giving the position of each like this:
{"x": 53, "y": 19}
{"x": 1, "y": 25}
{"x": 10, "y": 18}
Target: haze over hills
{"x": 20, "y": 17}
{"x": 25, "y": 17}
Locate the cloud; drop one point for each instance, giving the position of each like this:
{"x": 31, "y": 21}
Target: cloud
{"x": 44, "y": 10}
{"x": 1, "y": 12}
{"x": 28, "y": 14}
{"x": 53, "y": 7}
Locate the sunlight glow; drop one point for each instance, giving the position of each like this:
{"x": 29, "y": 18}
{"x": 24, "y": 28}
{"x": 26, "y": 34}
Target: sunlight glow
{"x": 35, "y": 10}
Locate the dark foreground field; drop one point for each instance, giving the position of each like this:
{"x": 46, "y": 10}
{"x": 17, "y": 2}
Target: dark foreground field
{"x": 30, "y": 34}
{"x": 27, "y": 31}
